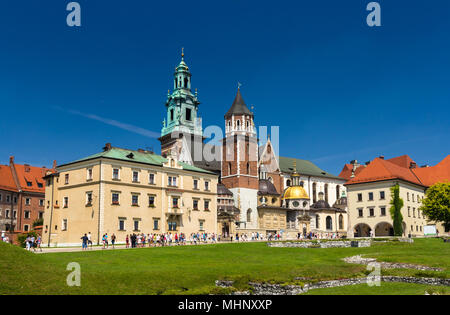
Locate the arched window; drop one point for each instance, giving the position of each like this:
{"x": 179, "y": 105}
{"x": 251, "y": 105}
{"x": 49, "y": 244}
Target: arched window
{"x": 317, "y": 221}
{"x": 288, "y": 183}
{"x": 186, "y": 81}
{"x": 249, "y": 215}
{"x": 329, "y": 221}
{"x": 314, "y": 191}
{"x": 341, "y": 222}
{"x": 338, "y": 188}
{"x": 238, "y": 124}
{"x": 248, "y": 124}
{"x": 326, "y": 192}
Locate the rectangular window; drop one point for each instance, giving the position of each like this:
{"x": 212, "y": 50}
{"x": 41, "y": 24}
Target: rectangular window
{"x": 172, "y": 181}
{"x": 66, "y": 179}
{"x": 134, "y": 200}
{"x": 27, "y": 201}
{"x": 195, "y": 204}
{"x": 136, "y": 225}
{"x": 89, "y": 174}
{"x": 175, "y": 202}
{"x": 7, "y": 214}
{"x": 14, "y": 214}
{"x": 8, "y": 198}
{"x": 116, "y": 174}
{"x": 360, "y": 213}
{"x": 414, "y": 212}
{"x": 151, "y": 179}
{"x": 206, "y": 204}
{"x": 41, "y": 215}
{"x": 383, "y": 211}
{"x": 89, "y": 198}
{"x": 412, "y": 196}
{"x": 41, "y": 202}
{"x": 188, "y": 114}
{"x": 115, "y": 198}
{"x": 407, "y": 196}
{"x": 207, "y": 186}
{"x": 66, "y": 202}
{"x": 382, "y": 196}
{"x": 27, "y": 214}
{"x": 151, "y": 201}
{"x": 15, "y": 199}
{"x": 135, "y": 177}
{"x": 172, "y": 225}
{"x": 121, "y": 225}
{"x": 195, "y": 184}
{"x": 201, "y": 225}
{"x": 409, "y": 212}
{"x": 26, "y": 227}
{"x": 1, "y": 197}
{"x": 359, "y": 197}
{"x": 64, "y": 225}
{"x": 371, "y": 196}
{"x": 371, "y": 212}
{"x": 156, "y": 224}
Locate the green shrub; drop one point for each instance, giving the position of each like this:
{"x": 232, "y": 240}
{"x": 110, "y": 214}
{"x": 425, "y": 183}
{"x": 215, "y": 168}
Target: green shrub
{"x": 21, "y": 238}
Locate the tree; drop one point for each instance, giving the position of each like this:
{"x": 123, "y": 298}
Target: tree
{"x": 396, "y": 210}
{"x": 436, "y": 204}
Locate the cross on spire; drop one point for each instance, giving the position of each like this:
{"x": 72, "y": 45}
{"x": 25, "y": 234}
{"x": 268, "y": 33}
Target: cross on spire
{"x": 182, "y": 52}
{"x": 239, "y": 85}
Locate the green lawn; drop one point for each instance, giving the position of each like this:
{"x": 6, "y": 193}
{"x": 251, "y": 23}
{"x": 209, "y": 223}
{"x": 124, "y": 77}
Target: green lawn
{"x": 193, "y": 269}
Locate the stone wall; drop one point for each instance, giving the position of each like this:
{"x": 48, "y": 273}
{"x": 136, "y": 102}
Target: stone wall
{"x": 277, "y": 289}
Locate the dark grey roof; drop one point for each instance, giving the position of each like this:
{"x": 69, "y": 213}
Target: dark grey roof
{"x": 238, "y": 106}
{"x": 266, "y": 188}
{"x": 222, "y": 190}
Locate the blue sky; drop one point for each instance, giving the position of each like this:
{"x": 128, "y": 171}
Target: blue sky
{"x": 338, "y": 89}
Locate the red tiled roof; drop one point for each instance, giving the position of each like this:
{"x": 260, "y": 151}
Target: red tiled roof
{"x": 434, "y": 174}
{"x": 380, "y": 169}
{"x": 347, "y": 171}
{"x": 31, "y": 175}
{"x": 6, "y": 178}
{"x": 403, "y": 161}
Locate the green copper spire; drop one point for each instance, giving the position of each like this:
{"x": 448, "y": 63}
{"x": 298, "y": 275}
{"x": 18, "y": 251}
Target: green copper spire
{"x": 182, "y": 104}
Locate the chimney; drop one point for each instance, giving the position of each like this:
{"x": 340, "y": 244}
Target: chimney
{"x": 27, "y": 168}
{"x": 11, "y": 160}
{"x": 412, "y": 165}
{"x": 107, "y": 147}
{"x": 382, "y": 157}
{"x": 54, "y": 165}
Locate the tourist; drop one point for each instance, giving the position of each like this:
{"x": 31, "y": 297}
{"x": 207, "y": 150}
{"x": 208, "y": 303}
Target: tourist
{"x": 113, "y": 240}
{"x": 89, "y": 239}
{"x": 38, "y": 243}
{"x": 127, "y": 242}
{"x": 84, "y": 242}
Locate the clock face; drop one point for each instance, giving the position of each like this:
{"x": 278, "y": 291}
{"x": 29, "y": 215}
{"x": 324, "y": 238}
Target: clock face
{"x": 295, "y": 204}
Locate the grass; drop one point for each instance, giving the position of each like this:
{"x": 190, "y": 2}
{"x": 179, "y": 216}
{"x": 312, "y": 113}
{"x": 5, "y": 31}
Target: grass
{"x": 193, "y": 269}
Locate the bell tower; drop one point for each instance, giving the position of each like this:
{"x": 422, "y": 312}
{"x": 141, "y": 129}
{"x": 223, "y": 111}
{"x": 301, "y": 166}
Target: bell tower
{"x": 182, "y": 127}
{"x": 240, "y": 160}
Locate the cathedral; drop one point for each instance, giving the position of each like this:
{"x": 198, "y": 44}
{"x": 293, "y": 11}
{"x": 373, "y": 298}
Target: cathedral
{"x": 258, "y": 191}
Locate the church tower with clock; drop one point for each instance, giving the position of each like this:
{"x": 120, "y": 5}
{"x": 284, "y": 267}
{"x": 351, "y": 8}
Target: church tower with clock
{"x": 182, "y": 128}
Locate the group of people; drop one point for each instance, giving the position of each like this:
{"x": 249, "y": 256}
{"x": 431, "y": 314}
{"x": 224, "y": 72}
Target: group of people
{"x": 5, "y": 238}
{"x": 318, "y": 236}
{"x": 167, "y": 239}
{"x": 34, "y": 243}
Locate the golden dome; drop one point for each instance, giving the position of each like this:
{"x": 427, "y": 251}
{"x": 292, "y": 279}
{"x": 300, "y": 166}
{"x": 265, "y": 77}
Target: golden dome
{"x": 295, "y": 192}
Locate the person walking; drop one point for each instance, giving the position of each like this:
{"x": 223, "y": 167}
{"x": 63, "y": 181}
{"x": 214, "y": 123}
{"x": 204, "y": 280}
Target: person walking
{"x": 113, "y": 240}
{"x": 89, "y": 236}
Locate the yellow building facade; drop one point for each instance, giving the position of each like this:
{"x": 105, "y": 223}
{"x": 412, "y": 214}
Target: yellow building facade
{"x": 122, "y": 192}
